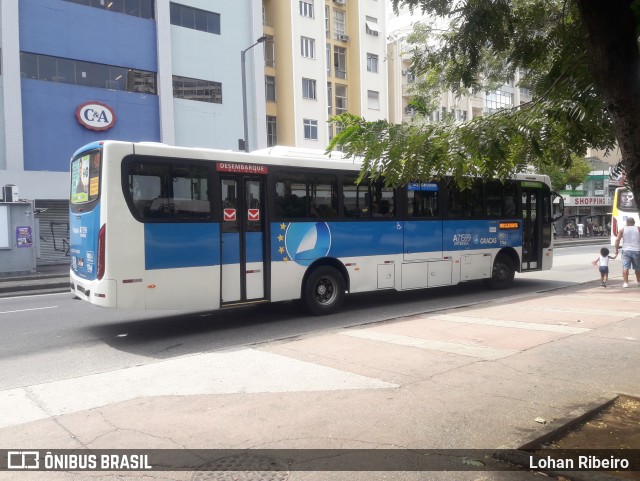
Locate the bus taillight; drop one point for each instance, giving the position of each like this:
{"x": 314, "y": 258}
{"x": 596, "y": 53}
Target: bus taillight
{"x": 614, "y": 227}
{"x": 102, "y": 236}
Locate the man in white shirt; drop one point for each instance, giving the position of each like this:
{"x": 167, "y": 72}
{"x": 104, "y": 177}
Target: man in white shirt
{"x": 630, "y": 237}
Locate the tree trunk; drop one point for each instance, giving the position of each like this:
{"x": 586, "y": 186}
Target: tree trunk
{"x": 614, "y": 60}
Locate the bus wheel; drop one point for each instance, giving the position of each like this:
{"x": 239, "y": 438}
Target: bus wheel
{"x": 502, "y": 274}
{"x": 324, "y": 291}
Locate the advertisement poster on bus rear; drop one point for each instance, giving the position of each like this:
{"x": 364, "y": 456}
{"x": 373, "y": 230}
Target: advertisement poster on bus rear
{"x": 80, "y": 180}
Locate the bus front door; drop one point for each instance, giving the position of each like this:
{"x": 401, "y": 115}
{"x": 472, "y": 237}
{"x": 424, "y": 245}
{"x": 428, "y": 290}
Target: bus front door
{"x": 243, "y": 239}
{"x": 531, "y": 228}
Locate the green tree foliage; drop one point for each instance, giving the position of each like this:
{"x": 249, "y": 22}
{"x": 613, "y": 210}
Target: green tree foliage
{"x": 580, "y": 59}
{"x": 573, "y": 176}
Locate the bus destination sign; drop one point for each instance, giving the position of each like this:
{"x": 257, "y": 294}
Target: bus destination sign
{"x": 509, "y": 225}
{"x": 236, "y": 168}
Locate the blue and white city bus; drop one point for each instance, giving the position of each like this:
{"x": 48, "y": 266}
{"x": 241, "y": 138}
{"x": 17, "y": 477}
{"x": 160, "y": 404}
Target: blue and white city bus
{"x": 161, "y": 227}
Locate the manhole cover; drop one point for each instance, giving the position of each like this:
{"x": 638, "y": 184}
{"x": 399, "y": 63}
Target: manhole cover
{"x": 241, "y": 467}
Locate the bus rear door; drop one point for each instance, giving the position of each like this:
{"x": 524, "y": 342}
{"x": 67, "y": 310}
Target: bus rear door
{"x": 532, "y": 217}
{"x": 243, "y": 251}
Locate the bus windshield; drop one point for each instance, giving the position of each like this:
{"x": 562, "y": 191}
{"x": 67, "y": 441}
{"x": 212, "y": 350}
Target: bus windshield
{"x": 85, "y": 177}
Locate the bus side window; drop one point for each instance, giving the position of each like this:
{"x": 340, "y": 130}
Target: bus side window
{"x": 509, "y": 200}
{"x": 422, "y": 203}
{"x": 323, "y": 193}
{"x": 354, "y": 196}
{"x": 383, "y": 201}
{"x": 291, "y": 195}
{"x": 456, "y": 206}
{"x": 144, "y": 189}
{"x": 159, "y": 193}
{"x": 473, "y": 200}
{"x": 493, "y": 191}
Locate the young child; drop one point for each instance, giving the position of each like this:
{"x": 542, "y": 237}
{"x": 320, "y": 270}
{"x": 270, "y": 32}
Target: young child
{"x": 602, "y": 263}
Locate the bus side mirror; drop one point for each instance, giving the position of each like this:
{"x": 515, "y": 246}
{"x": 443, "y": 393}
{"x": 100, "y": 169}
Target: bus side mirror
{"x": 557, "y": 203}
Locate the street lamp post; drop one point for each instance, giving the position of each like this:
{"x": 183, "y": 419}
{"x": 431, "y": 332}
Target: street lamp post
{"x": 245, "y": 139}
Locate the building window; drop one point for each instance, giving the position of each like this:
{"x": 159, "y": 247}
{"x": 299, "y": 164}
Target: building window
{"x": 306, "y": 8}
{"x": 341, "y": 99}
{"x": 328, "y": 55}
{"x": 340, "y": 62}
{"x": 310, "y": 129}
{"x": 329, "y": 99}
{"x": 372, "y": 63}
{"x": 371, "y": 26}
{"x": 189, "y": 17}
{"x": 307, "y": 47}
{"x": 338, "y": 24}
{"x": 498, "y": 99}
{"x": 326, "y": 20}
{"x": 308, "y": 88}
{"x": 269, "y": 51}
{"x": 373, "y": 99}
{"x": 89, "y": 74}
{"x": 195, "y": 89}
{"x": 272, "y": 137}
{"x": 270, "y": 88}
{"x": 135, "y": 8}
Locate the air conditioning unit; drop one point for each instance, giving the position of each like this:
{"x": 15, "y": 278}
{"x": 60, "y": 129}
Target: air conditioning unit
{"x": 343, "y": 38}
{"x": 340, "y": 2}
{"x": 404, "y": 72}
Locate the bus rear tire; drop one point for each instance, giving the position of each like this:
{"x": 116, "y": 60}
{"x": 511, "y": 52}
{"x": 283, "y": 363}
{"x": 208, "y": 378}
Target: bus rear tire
{"x": 324, "y": 291}
{"x": 502, "y": 273}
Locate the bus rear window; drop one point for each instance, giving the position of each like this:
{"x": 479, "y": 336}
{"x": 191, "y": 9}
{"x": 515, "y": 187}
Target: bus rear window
{"x": 85, "y": 177}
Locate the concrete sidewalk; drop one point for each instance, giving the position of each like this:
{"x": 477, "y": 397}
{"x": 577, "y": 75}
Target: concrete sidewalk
{"x": 46, "y": 279}
{"x": 496, "y": 374}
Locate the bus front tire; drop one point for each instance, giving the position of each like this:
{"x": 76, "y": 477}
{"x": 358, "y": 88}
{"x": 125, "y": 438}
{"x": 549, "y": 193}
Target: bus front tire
{"x": 324, "y": 291}
{"x": 502, "y": 273}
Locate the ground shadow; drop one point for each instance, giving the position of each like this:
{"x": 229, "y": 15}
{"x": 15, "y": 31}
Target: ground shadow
{"x": 163, "y": 336}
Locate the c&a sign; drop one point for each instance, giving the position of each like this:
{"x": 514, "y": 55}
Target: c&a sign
{"x": 95, "y": 116}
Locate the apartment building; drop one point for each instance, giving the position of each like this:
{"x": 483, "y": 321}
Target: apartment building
{"x": 401, "y": 79}
{"x": 322, "y": 58}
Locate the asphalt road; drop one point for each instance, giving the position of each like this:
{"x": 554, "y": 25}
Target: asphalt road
{"x": 52, "y": 337}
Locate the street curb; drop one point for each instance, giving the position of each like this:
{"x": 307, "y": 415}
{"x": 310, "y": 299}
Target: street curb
{"x": 18, "y": 288}
{"x": 514, "y": 452}
{"x": 557, "y": 427}
{"x": 29, "y": 278}
{"x": 583, "y": 242}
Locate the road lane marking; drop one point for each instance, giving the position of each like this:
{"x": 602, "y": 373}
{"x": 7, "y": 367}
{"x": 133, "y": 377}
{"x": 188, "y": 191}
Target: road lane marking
{"x": 26, "y": 310}
{"x": 578, "y": 310}
{"x": 531, "y": 326}
{"x": 243, "y": 371}
{"x": 488, "y": 353}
